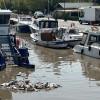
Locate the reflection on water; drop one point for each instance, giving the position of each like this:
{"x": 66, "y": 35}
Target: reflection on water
{"x": 58, "y": 58}
{"x": 55, "y": 57}
{"x": 90, "y": 66}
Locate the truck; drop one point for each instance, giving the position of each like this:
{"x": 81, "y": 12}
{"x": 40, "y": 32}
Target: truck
{"x": 90, "y": 16}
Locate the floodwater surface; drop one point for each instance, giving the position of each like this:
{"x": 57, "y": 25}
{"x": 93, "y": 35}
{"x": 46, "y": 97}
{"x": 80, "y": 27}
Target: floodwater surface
{"x": 78, "y": 75}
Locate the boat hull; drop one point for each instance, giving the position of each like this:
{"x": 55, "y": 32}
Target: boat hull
{"x": 52, "y": 44}
{"x": 93, "y": 51}
{"x": 72, "y": 43}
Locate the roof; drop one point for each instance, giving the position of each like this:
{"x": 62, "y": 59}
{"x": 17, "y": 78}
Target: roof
{"x": 3, "y": 11}
{"x": 73, "y": 5}
{"x": 89, "y": 7}
{"x": 75, "y": 10}
{"x": 45, "y": 19}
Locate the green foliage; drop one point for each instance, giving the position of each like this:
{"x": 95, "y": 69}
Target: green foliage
{"x": 64, "y": 16}
{"x": 33, "y": 5}
{"x": 73, "y": 17}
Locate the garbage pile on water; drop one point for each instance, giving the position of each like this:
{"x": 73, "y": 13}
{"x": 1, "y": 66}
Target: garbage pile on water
{"x": 27, "y": 85}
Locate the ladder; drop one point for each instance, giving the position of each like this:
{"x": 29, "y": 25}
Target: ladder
{"x": 8, "y": 49}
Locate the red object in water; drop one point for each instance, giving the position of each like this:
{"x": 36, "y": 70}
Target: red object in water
{"x": 17, "y": 42}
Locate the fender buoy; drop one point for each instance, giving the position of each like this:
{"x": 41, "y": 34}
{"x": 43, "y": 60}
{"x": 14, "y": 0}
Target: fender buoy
{"x": 82, "y": 51}
{"x": 17, "y": 42}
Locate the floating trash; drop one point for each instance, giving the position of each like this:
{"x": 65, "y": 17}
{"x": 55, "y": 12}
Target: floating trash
{"x": 26, "y": 85}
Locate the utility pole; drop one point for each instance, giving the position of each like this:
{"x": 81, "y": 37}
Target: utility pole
{"x": 48, "y": 7}
{"x": 4, "y": 4}
{"x": 64, "y": 6}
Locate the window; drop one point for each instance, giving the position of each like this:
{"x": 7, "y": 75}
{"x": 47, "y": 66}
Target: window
{"x": 4, "y": 19}
{"x": 34, "y": 30}
{"x": 84, "y": 38}
{"x": 72, "y": 31}
{"x": 48, "y": 24}
{"x": 92, "y": 39}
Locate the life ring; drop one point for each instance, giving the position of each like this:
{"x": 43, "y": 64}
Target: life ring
{"x": 94, "y": 28}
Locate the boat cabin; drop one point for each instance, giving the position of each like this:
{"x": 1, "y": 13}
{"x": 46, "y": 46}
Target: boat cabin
{"x": 4, "y": 21}
{"x": 45, "y": 23}
{"x": 90, "y": 38}
{"x": 25, "y": 18}
{"x": 64, "y": 32}
{"x": 5, "y": 16}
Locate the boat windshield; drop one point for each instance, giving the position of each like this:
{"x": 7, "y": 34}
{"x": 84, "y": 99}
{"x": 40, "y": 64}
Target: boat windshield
{"x": 60, "y": 32}
{"x": 25, "y": 19}
{"x": 84, "y": 39}
{"x": 72, "y": 31}
{"x": 48, "y": 24}
{"x": 92, "y": 39}
{"x": 4, "y": 19}
{"x": 34, "y": 30}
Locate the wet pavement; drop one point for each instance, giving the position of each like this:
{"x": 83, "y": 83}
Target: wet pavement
{"x": 78, "y": 75}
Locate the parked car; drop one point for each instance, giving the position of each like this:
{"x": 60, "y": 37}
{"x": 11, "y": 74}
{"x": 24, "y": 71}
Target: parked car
{"x": 38, "y": 14}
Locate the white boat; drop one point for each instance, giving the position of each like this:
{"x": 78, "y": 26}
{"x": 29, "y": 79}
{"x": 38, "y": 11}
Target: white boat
{"x": 70, "y": 34}
{"x": 23, "y": 22}
{"x": 44, "y": 33}
{"x": 90, "y": 44}
{"x": 25, "y": 19}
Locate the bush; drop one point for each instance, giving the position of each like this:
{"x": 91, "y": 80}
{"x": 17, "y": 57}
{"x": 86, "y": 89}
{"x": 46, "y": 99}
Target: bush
{"x": 64, "y": 16}
{"x": 73, "y": 17}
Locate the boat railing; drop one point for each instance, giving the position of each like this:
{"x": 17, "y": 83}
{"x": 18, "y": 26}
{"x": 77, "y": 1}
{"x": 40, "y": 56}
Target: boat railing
{"x": 96, "y": 44}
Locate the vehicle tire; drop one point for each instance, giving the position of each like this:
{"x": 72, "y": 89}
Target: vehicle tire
{"x": 80, "y": 21}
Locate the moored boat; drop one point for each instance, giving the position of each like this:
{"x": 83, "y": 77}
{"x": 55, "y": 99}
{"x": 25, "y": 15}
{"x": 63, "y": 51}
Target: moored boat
{"x": 23, "y": 24}
{"x": 70, "y": 34}
{"x": 90, "y": 44}
{"x": 44, "y": 33}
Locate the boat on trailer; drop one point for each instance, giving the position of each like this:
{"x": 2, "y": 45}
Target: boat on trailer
{"x": 10, "y": 52}
{"x": 43, "y": 33}
{"x": 90, "y": 44}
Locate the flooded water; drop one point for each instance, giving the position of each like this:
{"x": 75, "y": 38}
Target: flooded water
{"x": 78, "y": 75}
